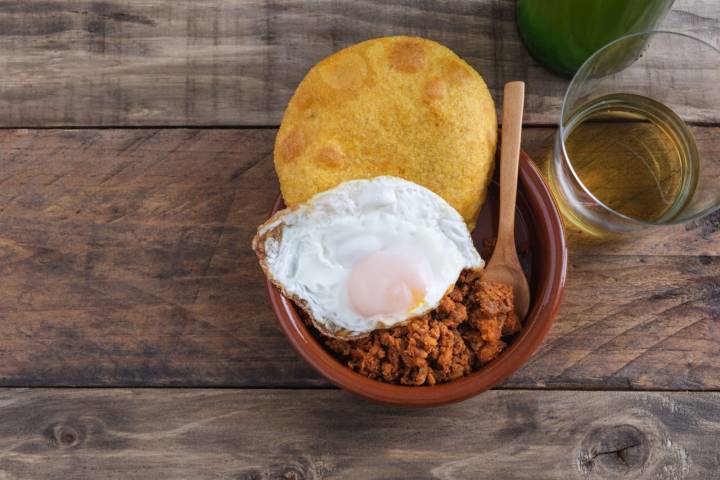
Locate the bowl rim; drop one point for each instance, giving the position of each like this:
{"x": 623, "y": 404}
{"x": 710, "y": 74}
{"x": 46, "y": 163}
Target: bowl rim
{"x": 546, "y": 301}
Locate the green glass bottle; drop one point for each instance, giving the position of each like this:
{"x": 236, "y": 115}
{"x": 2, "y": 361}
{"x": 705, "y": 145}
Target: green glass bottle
{"x": 562, "y": 34}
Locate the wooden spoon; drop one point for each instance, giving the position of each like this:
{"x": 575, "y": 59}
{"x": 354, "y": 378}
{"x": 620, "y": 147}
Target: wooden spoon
{"x": 504, "y": 266}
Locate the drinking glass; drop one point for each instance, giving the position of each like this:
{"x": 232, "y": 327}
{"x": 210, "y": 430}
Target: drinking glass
{"x": 631, "y": 150}
{"x": 562, "y": 34}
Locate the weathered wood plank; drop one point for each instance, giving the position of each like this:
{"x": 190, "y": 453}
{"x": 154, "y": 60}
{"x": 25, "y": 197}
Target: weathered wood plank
{"x": 633, "y": 323}
{"x": 209, "y": 434}
{"x": 211, "y": 62}
{"x": 125, "y": 260}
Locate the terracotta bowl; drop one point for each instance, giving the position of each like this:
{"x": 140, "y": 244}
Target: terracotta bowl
{"x": 540, "y": 238}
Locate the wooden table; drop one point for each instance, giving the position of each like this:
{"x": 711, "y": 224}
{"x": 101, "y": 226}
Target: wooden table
{"x": 135, "y": 164}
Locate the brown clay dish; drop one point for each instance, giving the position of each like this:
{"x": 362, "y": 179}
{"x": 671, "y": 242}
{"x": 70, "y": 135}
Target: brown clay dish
{"x": 538, "y": 228}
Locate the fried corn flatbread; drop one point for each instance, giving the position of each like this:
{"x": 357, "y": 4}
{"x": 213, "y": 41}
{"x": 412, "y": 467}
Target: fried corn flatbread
{"x": 401, "y": 106}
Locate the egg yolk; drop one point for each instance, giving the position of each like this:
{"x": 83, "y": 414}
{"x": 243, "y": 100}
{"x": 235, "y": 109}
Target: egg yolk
{"x": 386, "y": 283}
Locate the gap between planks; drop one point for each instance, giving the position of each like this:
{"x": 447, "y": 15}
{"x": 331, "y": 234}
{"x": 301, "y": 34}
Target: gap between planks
{"x": 314, "y": 388}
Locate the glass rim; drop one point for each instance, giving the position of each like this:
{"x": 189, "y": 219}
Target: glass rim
{"x": 561, "y": 129}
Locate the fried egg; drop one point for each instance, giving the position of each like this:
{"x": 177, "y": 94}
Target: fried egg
{"x": 366, "y": 254}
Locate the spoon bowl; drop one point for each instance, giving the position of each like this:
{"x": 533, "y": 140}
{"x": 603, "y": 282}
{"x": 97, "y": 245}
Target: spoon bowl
{"x": 512, "y": 275}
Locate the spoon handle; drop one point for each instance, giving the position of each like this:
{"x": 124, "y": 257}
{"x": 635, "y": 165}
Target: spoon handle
{"x": 513, "y": 99}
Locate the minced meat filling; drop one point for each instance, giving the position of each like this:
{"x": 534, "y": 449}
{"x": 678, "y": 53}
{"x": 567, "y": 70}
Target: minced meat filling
{"x": 462, "y": 334}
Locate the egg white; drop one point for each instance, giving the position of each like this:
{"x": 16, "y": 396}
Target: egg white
{"x": 309, "y": 251}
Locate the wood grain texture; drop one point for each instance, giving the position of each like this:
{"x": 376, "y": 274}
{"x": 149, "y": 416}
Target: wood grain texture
{"x": 125, "y": 260}
{"x": 290, "y": 434}
{"x": 236, "y": 62}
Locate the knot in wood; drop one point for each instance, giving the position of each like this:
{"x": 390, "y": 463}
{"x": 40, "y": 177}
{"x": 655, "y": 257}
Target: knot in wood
{"x": 293, "y": 474}
{"x": 613, "y": 451}
{"x": 60, "y": 435}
